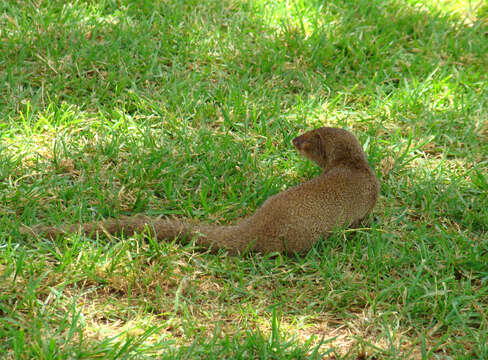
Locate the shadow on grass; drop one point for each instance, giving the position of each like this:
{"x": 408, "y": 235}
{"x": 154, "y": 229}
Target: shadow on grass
{"x": 257, "y": 64}
{"x": 202, "y": 53}
{"x": 258, "y": 68}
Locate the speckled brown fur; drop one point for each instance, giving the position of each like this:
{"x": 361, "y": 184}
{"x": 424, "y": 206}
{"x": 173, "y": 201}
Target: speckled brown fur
{"x": 291, "y": 221}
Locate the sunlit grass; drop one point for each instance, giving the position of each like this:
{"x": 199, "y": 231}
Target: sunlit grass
{"x": 188, "y": 108}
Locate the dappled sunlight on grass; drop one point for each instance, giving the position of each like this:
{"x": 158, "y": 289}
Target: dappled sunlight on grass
{"x": 188, "y": 109}
{"x": 468, "y": 11}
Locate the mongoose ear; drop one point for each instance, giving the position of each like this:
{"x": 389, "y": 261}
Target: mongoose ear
{"x": 322, "y": 140}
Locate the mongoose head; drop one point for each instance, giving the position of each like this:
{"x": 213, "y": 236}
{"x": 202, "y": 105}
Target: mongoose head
{"x": 329, "y": 147}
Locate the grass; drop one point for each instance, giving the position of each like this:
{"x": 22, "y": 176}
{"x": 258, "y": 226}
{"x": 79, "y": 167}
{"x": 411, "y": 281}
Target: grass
{"x": 187, "y": 108}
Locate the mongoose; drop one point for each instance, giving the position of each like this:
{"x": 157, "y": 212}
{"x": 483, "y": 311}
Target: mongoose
{"x": 288, "y": 222}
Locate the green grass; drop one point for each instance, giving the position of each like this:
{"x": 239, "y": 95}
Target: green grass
{"x": 187, "y": 108}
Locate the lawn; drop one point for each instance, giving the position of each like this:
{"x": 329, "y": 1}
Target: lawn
{"x": 187, "y": 108}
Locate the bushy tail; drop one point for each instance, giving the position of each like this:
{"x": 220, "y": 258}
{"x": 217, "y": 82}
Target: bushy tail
{"x": 214, "y": 237}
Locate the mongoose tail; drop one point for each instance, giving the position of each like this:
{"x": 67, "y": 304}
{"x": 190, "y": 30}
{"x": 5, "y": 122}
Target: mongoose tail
{"x": 291, "y": 221}
{"x": 209, "y": 236}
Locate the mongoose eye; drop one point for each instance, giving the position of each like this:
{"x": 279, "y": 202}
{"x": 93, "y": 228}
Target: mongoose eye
{"x": 306, "y": 145}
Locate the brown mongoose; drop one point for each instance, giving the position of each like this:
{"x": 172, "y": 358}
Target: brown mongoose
{"x": 291, "y": 221}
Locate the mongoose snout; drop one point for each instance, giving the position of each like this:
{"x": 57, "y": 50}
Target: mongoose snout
{"x": 296, "y": 142}
{"x": 299, "y": 142}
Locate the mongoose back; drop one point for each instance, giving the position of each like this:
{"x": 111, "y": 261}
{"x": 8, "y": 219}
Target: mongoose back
{"x": 288, "y": 222}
